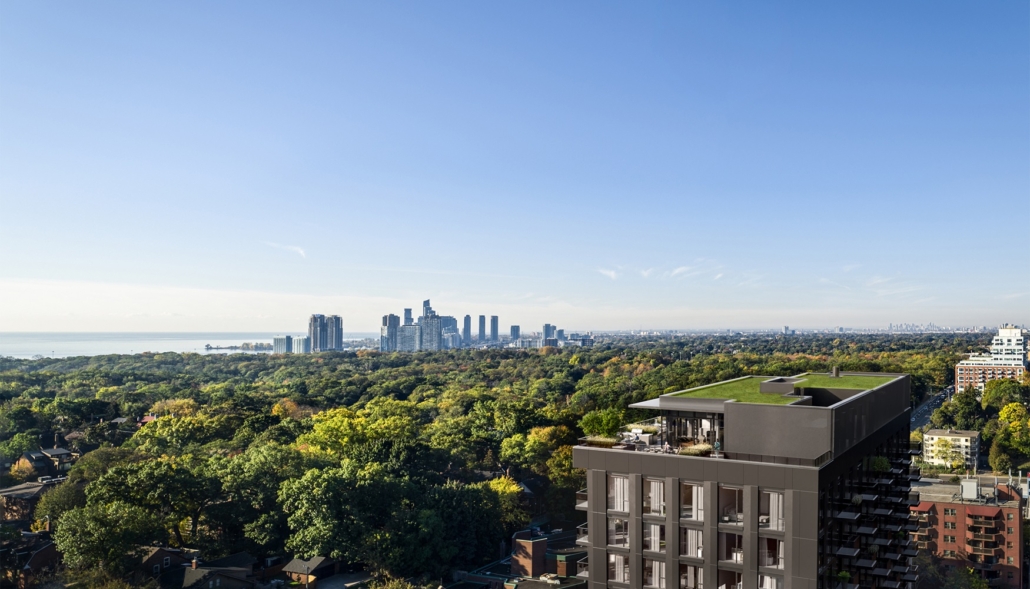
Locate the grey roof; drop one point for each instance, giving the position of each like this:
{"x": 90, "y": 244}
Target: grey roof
{"x": 240, "y": 559}
{"x": 52, "y": 452}
{"x": 298, "y": 565}
{"x": 24, "y": 491}
{"x": 671, "y": 403}
{"x": 185, "y": 577}
{"x": 952, "y": 432}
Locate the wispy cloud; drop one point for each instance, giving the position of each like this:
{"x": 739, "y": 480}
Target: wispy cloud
{"x": 718, "y": 276}
{"x": 837, "y": 284}
{"x": 609, "y": 273}
{"x": 850, "y": 267}
{"x": 646, "y": 273}
{"x": 680, "y": 270}
{"x": 290, "y": 248}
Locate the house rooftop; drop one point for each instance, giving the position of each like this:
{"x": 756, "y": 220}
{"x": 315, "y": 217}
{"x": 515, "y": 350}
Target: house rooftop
{"x": 952, "y": 432}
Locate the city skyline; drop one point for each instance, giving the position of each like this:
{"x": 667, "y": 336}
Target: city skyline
{"x": 669, "y": 167}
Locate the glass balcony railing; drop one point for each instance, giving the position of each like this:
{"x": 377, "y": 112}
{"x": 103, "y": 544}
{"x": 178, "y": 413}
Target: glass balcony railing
{"x": 581, "y": 499}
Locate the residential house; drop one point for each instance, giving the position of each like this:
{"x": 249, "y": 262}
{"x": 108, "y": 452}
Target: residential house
{"x": 19, "y": 502}
{"x": 158, "y": 560}
{"x": 198, "y": 576}
{"x": 311, "y": 570}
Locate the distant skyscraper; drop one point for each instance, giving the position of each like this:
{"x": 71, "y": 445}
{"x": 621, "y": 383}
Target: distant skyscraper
{"x": 302, "y": 344}
{"x": 559, "y": 335}
{"x": 334, "y": 332}
{"x": 407, "y": 317}
{"x": 466, "y": 332}
{"x": 448, "y": 323}
{"x": 482, "y": 328}
{"x": 427, "y": 310}
{"x": 493, "y": 329}
{"x": 432, "y": 333}
{"x": 548, "y": 331}
{"x": 318, "y": 333}
{"x": 409, "y": 338}
{"x": 388, "y": 333}
{"x": 282, "y": 344}
{"x": 515, "y": 332}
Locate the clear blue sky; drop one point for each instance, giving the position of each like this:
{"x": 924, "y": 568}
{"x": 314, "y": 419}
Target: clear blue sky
{"x": 240, "y": 165}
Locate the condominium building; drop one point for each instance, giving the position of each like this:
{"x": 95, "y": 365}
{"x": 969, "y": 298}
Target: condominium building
{"x": 466, "y": 331}
{"x": 945, "y": 447}
{"x": 334, "y": 332}
{"x": 388, "y": 333}
{"x": 409, "y": 338}
{"x": 302, "y": 344}
{"x": 282, "y": 344}
{"x": 482, "y": 328}
{"x": 973, "y": 526}
{"x": 494, "y": 333}
{"x": 318, "y": 332}
{"x": 757, "y": 482}
{"x": 516, "y": 332}
{"x": 1007, "y": 359}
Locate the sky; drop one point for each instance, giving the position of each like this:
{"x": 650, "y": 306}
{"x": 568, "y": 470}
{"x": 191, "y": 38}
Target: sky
{"x": 237, "y": 166}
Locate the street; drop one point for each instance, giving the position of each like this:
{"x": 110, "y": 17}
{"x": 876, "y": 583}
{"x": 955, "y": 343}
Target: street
{"x": 921, "y": 415}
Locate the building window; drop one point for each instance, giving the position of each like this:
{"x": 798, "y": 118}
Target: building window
{"x": 1008, "y": 545}
{"x": 691, "y": 577}
{"x": 167, "y": 562}
{"x": 654, "y": 573}
{"x": 949, "y": 539}
{"x": 770, "y": 510}
{"x": 949, "y": 511}
{"x": 1009, "y": 560}
{"x": 770, "y": 553}
{"x": 770, "y": 582}
{"x": 1011, "y": 530}
{"x": 731, "y": 505}
{"x": 618, "y": 568}
{"x": 1008, "y": 516}
{"x": 654, "y": 497}
{"x": 949, "y": 554}
{"x": 690, "y": 542}
{"x": 618, "y": 492}
{"x": 618, "y": 532}
{"x": 654, "y": 537}
{"x": 949, "y": 525}
{"x": 692, "y": 501}
{"x": 731, "y": 547}
{"x": 730, "y": 580}
{"x": 157, "y": 570}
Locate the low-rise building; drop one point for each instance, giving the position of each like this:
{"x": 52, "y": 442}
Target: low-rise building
{"x": 973, "y": 526}
{"x": 948, "y": 447}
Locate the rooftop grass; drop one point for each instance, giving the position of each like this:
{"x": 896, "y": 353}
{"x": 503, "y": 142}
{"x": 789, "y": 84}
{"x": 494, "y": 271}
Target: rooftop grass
{"x": 825, "y": 381}
{"x": 742, "y": 391}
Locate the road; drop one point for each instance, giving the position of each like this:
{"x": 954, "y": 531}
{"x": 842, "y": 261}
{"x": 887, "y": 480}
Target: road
{"x": 921, "y": 415}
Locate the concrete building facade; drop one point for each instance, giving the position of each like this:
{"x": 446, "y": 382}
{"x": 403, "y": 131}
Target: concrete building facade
{"x": 1007, "y": 359}
{"x": 943, "y": 447}
{"x": 760, "y": 482}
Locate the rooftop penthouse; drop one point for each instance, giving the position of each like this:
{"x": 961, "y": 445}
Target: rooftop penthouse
{"x": 802, "y": 420}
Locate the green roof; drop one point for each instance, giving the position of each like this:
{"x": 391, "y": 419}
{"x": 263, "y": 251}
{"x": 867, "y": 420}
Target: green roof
{"x": 825, "y": 381}
{"x": 743, "y": 390}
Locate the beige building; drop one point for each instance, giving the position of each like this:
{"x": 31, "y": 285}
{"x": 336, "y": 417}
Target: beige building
{"x": 940, "y": 446}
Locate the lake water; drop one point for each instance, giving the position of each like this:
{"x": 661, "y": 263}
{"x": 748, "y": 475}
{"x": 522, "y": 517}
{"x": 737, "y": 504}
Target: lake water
{"x": 61, "y": 345}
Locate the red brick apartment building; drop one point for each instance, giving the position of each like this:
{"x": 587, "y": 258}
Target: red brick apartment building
{"x": 973, "y": 526}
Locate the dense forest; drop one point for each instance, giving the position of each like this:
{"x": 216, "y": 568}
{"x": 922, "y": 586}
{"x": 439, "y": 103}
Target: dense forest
{"x": 411, "y": 464}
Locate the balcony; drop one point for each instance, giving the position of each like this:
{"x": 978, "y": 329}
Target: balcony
{"x": 581, "y": 500}
{"x": 985, "y": 550}
{"x": 971, "y": 535}
{"x": 582, "y": 569}
{"x": 582, "y": 535}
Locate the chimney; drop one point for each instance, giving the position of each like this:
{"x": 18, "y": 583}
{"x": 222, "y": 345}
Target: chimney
{"x": 835, "y": 372}
{"x": 193, "y": 563}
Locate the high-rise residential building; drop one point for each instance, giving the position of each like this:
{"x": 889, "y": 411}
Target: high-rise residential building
{"x": 448, "y": 323}
{"x": 388, "y": 333}
{"x": 408, "y": 319}
{"x": 1007, "y": 359}
{"x": 973, "y": 526}
{"x": 334, "y": 332}
{"x": 559, "y": 334}
{"x": 494, "y": 333}
{"x": 282, "y": 344}
{"x": 427, "y": 310}
{"x": 302, "y": 344}
{"x": 466, "y": 331}
{"x": 482, "y": 328}
{"x": 409, "y": 338}
{"x": 516, "y": 333}
{"x": 318, "y": 333}
{"x": 755, "y": 483}
{"x": 548, "y": 331}
{"x": 432, "y": 333}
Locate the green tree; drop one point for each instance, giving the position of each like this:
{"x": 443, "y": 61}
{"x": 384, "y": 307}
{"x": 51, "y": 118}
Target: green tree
{"x": 999, "y": 393}
{"x": 58, "y": 501}
{"x": 602, "y": 422}
{"x": 108, "y": 536}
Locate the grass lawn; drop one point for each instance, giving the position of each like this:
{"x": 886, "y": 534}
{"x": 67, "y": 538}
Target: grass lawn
{"x": 742, "y": 391}
{"x": 862, "y": 383}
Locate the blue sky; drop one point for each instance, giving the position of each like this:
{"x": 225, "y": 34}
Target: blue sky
{"x": 240, "y": 165}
